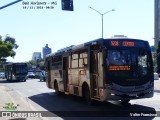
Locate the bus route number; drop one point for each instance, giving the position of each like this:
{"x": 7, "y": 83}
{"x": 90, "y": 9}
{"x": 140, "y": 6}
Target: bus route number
{"x": 114, "y": 43}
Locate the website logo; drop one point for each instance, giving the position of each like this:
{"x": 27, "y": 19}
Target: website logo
{"x": 10, "y": 106}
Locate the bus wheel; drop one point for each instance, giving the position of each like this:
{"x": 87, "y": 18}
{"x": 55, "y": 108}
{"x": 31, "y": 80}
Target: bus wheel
{"x": 56, "y": 88}
{"x": 57, "y": 92}
{"x": 88, "y": 99}
{"x": 125, "y": 102}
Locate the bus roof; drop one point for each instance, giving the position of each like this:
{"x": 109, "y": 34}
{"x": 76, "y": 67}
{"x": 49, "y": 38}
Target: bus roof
{"x": 92, "y": 42}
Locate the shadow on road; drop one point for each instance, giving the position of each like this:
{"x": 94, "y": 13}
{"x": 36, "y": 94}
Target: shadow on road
{"x": 13, "y": 81}
{"x": 6, "y": 81}
{"x": 158, "y": 91}
{"x": 73, "y": 106}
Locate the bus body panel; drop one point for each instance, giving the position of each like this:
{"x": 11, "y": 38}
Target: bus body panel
{"x": 88, "y": 64}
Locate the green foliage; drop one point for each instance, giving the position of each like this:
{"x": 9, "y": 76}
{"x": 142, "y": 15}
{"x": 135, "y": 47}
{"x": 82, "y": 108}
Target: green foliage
{"x": 1, "y": 40}
{"x": 39, "y": 65}
{"x": 7, "y": 47}
{"x": 11, "y": 41}
{"x": 31, "y": 63}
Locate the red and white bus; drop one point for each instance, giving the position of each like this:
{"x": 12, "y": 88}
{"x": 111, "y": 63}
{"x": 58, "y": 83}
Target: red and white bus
{"x": 103, "y": 69}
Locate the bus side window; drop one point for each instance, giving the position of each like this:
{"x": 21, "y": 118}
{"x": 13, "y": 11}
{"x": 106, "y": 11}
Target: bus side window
{"x": 74, "y": 61}
{"x": 83, "y": 59}
{"x": 82, "y": 62}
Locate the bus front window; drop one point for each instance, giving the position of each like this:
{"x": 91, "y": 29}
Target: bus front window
{"x": 116, "y": 57}
{"x": 128, "y": 63}
{"x": 21, "y": 69}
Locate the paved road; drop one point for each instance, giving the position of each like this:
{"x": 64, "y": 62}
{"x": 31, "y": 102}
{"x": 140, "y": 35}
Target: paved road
{"x": 38, "y": 97}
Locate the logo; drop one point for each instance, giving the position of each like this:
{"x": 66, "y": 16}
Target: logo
{"x": 10, "y": 106}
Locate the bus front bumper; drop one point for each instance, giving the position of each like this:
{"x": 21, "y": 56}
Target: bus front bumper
{"x": 110, "y": 94}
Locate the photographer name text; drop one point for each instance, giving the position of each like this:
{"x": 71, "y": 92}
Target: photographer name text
{"x": 39, "y": 4}
{"x": 143, "y": 114}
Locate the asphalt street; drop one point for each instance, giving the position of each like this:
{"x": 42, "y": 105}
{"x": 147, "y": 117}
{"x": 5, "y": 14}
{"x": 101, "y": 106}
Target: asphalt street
{"x": 34, "y": 95}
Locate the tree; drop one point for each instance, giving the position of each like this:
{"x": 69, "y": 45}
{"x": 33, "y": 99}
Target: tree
{"x": 158, "y": 57}
{"x": 40, "y": 65}
{"x": 7, "y": 47}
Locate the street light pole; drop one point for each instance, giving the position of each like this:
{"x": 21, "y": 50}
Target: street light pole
{"x": 10, "y": 4}
{"x": 102, "y": 16}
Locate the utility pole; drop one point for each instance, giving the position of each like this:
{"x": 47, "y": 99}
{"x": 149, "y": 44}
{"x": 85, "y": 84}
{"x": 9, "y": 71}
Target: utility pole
{"x": 102, "y": 16}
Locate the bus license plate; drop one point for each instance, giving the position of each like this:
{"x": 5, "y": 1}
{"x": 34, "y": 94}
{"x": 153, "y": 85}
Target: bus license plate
{"x": 132, "y": 95}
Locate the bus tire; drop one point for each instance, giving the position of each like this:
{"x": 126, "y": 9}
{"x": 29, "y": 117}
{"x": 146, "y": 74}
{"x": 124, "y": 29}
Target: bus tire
{"x": 57, "y": 92}
{"x": 88, "y": 99}
{"x": 56, "y": 88}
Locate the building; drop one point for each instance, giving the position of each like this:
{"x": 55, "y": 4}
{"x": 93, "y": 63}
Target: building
{"x": 156, "y": 21}
{"x": 46, "y": 50}
{"x": 36, "y": 56}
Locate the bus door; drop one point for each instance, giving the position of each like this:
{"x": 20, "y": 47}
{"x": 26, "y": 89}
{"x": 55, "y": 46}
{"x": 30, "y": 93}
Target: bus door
{"x": 49, "y": 73}
{"x": 10, "y": 72}
{"x": 7, "y": 72}
{"x": 65, "y": 73}
{"x": 94, "y": 73}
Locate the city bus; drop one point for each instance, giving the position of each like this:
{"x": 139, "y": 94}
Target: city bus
{"x": 16, "y": 71}
{"x": 103, "y": 69}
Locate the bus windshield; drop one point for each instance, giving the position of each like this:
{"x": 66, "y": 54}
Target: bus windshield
{"x": 19, "y": 69}
{"x": 128, "y": 63}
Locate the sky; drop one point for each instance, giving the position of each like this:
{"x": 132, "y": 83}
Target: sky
{"x": 33, "y": 28}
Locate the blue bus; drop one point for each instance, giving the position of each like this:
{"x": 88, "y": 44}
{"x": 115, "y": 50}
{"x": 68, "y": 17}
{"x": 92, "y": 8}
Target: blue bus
{"x": 16, "y": 71}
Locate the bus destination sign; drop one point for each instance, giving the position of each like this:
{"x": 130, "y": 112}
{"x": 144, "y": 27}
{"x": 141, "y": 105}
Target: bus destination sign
{"x": 124, "y": 43}
{"x": 115, "y": 67}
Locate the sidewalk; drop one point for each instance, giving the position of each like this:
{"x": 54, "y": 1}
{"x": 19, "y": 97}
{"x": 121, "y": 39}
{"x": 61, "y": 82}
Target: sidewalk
{"x": 12, "y": 101}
